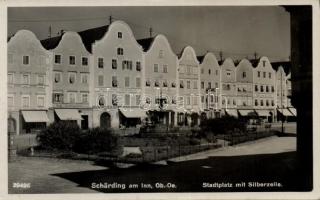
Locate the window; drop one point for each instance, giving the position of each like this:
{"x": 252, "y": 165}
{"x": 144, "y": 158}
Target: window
{"x": 234, "y": 102}
{"x": 228, "y": 74}
{"x": 26, "y": 79}
{"x": 267, "y": 88}
{"x": 267, "y": 103}
{"x": 272, "y": 102}
{"x": 270, "y": 75}
{"x": 165, "y": 68}
{"x": 114, "y": 64}
{"x": 259, "y": 74}
{"x": 57, "y": 77}
{"x": 256, "y": 88}
{"x": 217, "y": 72}
{"x": 114, "y": 81}
{"x": 57, "y": 59}
{"x": 209, "y": 85}
{"x": 101, "y": 101}
{"x": 130, "y": 65}
{"x": 25, "y": 60}
{"x": 127, "y": 99}
{"x": 25, "y": 101}
{"x": 256, "y": 102}
{"x": 84, "y": 97}
{"x": 217, "y": 85}
{"x": 202, "y": 85}
{"x": 161, "y": 54}
{"x": 40, "y": 79}
{"x": 188, "y": 84}
{"x": 57, "y": 98}
{"x": 84, "y": 78}
{"x": 138, "y": 66}
{"x": 10, "y": 78}
{"x": 228, "y": 101}
{"x": 100, "y": 80}
{"x": 119, "y": 51}
{"x": 72, "y": 97}
{"x": 188, "y": 100}
{"x": 114, "y": 100}
{"x": 261, "y": 88}
{"x": 244, "y": 75}
{"x": 148, "y": 83}
{"x": 72, "y": 78}
{"x": 10, "y": 101}
{"x": 272, "y": 88}
{"x": 165, "y": 84}
{"x": 148, "y": 100}
{"x": 173, "y": 85}
{"x": 72, "y": 60}
{"x": 202, "y": 70}
{"x": 138, "y": 82}
{"x": 84, "y": 61}
{"x": 120, "y": 35}
{"x": 209, "y": 71}
{"x": 181, "y": 84}
{"x": 156, "y": 84}
{"x": 264, "y": 63}
{"x": 264, "y": 74}
{"x": 138, "y": 100}
{"x": 126, "y": 82}
{"x": 202, "y": 99}
{"x": 100, "y": 62}
{"x": 261, "y": 102}
{"x": 155, "y": 68}
{"x": 40, "y": 101}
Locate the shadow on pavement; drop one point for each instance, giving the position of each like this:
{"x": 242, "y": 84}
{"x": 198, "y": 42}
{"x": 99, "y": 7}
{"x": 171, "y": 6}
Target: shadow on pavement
{"x": 189, "y": 176}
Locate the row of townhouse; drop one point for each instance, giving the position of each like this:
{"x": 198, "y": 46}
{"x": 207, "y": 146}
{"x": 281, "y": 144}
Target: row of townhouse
{"x": 104, "y": 77}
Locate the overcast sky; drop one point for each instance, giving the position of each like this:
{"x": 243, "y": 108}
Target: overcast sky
{"x": 237, "y": 31}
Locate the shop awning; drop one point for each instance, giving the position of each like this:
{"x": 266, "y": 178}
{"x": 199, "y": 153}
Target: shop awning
{"x": 285, "y": 112}
{"x": 133, "y": 112}
{"x": 263, "y": 113}
{"x": 293, "y": 111}
{"x": 247, "y": 112}
{"x": 68, "y": 114}
{"x": 232, "y": 112}
{"x": 35, "y": 116}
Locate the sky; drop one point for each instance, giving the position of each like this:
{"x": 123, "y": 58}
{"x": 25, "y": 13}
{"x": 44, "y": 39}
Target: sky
{"x": 237, "y": 31}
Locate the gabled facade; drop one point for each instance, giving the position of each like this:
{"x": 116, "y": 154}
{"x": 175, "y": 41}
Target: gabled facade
{"x": 70, "y": 79}
{"x": 160, "y": 83}
{"x": 210, "y": 85}
{"x": 281, "y": 90}
{"x": 264, "y": 89}
{"x": 29, "y": 87}
{"x": 244, "y": 79}
{"x": 228, "y": 87}
{"x": 189, "y": 90}
{"x": 117, "y": 75}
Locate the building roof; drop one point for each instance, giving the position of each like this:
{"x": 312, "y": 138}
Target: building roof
{"x": 88, "y": 37}
{"x": 286, "y": 65}
{"x": 51, "y": 43}
{"x": 146, "y": 43}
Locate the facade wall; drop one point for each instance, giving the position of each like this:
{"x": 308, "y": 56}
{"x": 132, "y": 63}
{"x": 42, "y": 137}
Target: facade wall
{"x": 228, "y": 85}
{"x": 244, "y": 79}
{"x": 189, "y": 81}
{"x": 114, "y": 83}
{"x": 210, "y": 83}
{"x": 29, "y": 76}
{"x": 160, "y": 74}
{"x": 281, "y": 88}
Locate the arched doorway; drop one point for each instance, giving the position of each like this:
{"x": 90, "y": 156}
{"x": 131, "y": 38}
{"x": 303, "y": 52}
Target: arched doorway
{"x": 194, "y": 119}
{"x": 105, "y": 120}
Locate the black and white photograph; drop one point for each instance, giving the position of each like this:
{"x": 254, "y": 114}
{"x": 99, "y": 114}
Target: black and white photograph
{"x": 164, "y": 99}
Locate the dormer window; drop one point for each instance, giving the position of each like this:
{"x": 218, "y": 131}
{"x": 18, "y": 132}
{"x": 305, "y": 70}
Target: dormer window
{"x": 120, "y": 35}
{"x": 264, "y": 63}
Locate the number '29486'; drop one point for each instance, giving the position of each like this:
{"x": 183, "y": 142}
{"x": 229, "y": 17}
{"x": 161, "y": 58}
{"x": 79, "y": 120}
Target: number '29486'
{"x": 21, "y": 185}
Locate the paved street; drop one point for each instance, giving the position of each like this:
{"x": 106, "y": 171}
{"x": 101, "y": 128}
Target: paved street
{"x": 273, "y": 163}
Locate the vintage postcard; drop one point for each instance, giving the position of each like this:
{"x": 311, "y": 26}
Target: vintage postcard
{"x": 158, "y": 100}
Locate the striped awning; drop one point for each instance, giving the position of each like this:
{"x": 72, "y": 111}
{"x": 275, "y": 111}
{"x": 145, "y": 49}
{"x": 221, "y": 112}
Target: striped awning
{"x": 263, "y": 113}
{"x": 293, "y": 111}
{"x": 35, "y": 116}
{"x": 133, "y": 112}
{"x": 285, "y": 112}
{"x": 68, "y": 114}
